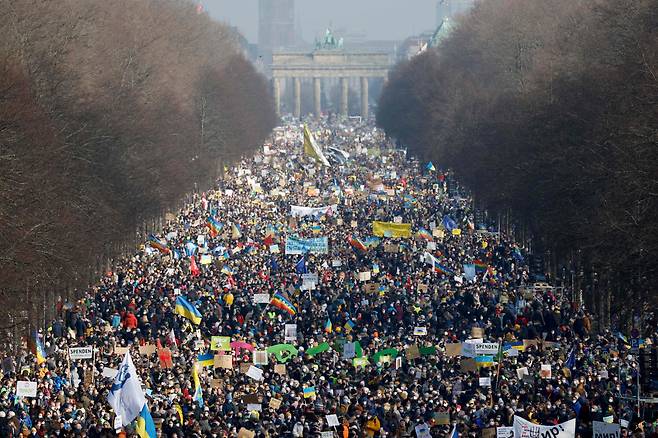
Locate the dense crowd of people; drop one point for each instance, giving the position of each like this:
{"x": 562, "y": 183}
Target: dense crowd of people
{"x": 384, "y": 333}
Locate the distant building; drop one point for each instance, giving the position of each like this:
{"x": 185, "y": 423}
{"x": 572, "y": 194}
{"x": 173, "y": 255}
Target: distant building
{"x": 417, "y": 44}
{"x": 276, "y": 26}
{"x": 451, "y": 9}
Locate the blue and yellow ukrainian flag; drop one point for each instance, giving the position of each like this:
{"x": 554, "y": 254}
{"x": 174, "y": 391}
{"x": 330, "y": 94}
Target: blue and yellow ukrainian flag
{"x": 309, "y": 392}
{"x": 484, "y": 361}
{"x": 145, "y": 426}
{"x": 187, "y": 310}
{"x": 206, "y": 360}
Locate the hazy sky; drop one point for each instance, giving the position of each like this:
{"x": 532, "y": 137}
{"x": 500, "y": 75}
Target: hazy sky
{"x": 378, "y": 19}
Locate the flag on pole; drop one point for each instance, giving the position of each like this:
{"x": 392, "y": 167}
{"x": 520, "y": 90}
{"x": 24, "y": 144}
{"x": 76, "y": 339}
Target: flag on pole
{"x": 300, "y": 267}
{"x": 430, "y": 167}
{"x": 236, "y": 231}
{"x": 145, "y": 426}
{"x": 454, "y": 433}
{"x": 214, "y": 227}
{"x": 37, "y": 348}
{"x": 328, "y": 326}
{"x": 311, "y": 148}
{"x": 198, "y": 394}
{"x": 158, "y": 244}
{"x": 280, "y": 302}
{"x": 187, "y": 310}
{"x": 206, "y": 360}
{"x": 194, "y": 268}
{"x": 126, "y": 396}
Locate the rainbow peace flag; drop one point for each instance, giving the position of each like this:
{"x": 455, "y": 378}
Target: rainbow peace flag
{"x": 158, "y": 244}
{"x": 357, "y": 244}
{"x": 280, "y": 302}
{"x": 37, "y": 348}
{"x": 424, "y": 234}
{"x": 214, "y": 227}
{"x": 480, "y": 266}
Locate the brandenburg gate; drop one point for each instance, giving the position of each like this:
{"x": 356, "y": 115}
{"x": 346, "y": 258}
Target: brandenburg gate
{"x": 328, "y": 60}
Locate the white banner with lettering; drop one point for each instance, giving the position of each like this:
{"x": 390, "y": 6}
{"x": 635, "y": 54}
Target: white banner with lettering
{"x": 297, "y": 211}
{"x": 525, "y": 429}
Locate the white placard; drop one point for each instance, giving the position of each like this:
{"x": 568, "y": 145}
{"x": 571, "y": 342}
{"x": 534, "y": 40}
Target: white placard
{"x": 255, "y": 373}
{"x": 520, "y": 372}
{"x": 486, "y": 348}
{"x": 110, "y": 373}
{"x": 254, "y": 407}
{"x": 261, "y": 298}
{"x": 76, "y": 353}
{"x": 485, "y": 381}
{"x": 290, "y": 332}
{"x": 332, "y": 420}
{"x": 420, "y": 331}
{"x": 26, "y": 389}
{"x": 505, "y": 432}
{"x": 326, "y": 434}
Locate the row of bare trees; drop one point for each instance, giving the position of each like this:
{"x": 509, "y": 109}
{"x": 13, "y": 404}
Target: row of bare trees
{"x": 110, "y": 112}
{"x": 550, "y": 109}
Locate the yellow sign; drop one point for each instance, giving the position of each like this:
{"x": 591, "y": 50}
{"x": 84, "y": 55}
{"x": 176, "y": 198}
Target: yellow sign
{"x": 391, "y": 229}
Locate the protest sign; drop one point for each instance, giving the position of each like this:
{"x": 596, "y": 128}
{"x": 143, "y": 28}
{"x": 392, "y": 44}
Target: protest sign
{"x": 220, "y": 343}
{"x": 605, "y": 430}
{"x": 147, "y": 349}
{"x": 297, "y": 245}
{"x": 76, "y": 353}
{"x": 505, "y": 432}
{"x": 545, "y": 371}
{"x": 453, "y": 350}
{"x": 525, "y": 429}
{"x": 420, "y": 331}
{"x": 485, "y": 381}
{"x": 26, "y": 389}
{"x": 423, "y": 431}
{"x": 255, "y": 373}
{"x": 412, "y": 352}
{"x": 489, "y": 432}
{"x": 246, "y": 433}
{"x": 441, "y": 418}
{"x": 275, "y": 403}
{"x": 523, "y": 371}
{"x": 486, "y": 348}
{"x": 260, "y": 357}
{"x": 224, "y": 361}
{"x": 109, "y": 373}
{"x": 290, "y": 332}
{"x": 261, "y": 298}
{"x": 391, "y": 229}
{"x": 332, "y": 420}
